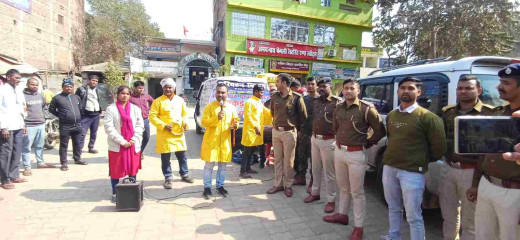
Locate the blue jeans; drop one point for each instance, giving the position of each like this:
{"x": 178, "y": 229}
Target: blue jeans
{"x": 208, "y": 174}
{"x": 167, "y": 168}
{"x": 404, "y": 188}
{"x": 146, "y": 134}
{"x": 92, "y": 123}
{"x": 35, "y": 136}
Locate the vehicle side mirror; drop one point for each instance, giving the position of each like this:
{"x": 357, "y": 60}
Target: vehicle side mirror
{"x": 195, "y": 94}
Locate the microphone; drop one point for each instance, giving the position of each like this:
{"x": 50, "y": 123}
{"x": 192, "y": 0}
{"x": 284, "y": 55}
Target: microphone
{"x": 221, "y": 105}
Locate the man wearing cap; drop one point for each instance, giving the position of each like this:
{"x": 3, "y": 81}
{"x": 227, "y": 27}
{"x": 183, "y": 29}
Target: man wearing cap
{"x": 12, "y": 128}
{"x": 459, "y": 168}
{"x": 256, "y": 115}
{"x": 289, "y": 114}
{"x": 168, "y": 115}
{"x": 497, "y": 193}
{"x": 322, "y": 145}
{"x": 353, "y": 120}
{"x": 303, "y": 156}
{"x": 90, "y": 110}
{"x": 66, "y": 106}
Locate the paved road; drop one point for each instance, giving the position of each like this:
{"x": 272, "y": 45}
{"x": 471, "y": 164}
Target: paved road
{"x": 75, "y": 205}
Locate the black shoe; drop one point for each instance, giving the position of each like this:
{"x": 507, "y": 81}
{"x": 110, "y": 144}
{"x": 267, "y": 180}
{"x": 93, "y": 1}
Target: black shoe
{"x": 114, "y": 199}
{"x": 64, "y": 167}
{"x": 94, "y": 151}
{"x": 81, "y": 162}
{"x": 207, "y": 193}
{"x": 187, "y": 179}
{"x": 245, "y": 176}
{"x": 222, "y": 192}
{"x": 261, "y": 165}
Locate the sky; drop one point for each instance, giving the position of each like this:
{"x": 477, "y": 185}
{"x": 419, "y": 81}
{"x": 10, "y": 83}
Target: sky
{"x": 172, "y": 15}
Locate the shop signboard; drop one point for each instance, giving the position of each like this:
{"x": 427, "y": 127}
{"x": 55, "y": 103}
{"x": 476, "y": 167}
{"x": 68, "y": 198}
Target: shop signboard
{"x": 245, "y": 71}
{"x": 154, "y": 68}
{"x": 249, "y": 62}
{"x": 323, "y": 70}
{"x": 286, "y": 66}
{"x": 264, "y": 47}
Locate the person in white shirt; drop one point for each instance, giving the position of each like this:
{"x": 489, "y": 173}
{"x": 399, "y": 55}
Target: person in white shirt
{"x": 12, "y": 125}
{"x": 90, "y": 111}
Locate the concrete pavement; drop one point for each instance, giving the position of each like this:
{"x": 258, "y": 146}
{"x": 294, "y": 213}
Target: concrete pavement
{"x": 76, "y": 205}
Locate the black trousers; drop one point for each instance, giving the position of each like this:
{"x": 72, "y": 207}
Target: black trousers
{"x": 76, "y": 133}
{"x": 246, "y": 157}
{"x": 10, "y": 155}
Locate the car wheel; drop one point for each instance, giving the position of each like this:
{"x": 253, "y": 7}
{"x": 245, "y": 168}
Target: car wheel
{"x": 379, "y": 178}
{"x": 198, "y": 129}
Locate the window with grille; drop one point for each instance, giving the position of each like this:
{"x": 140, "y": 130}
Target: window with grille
{"x": 248, "y": 24}
{"x": 324, "y": 35}
{"x": 284, "y": 29}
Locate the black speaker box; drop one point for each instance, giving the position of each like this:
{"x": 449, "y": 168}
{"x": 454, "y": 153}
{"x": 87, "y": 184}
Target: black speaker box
{"x": 129, "y": 196}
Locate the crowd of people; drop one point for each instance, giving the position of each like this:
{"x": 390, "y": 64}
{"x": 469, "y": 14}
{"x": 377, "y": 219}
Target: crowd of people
{"x": 479, "y": 195}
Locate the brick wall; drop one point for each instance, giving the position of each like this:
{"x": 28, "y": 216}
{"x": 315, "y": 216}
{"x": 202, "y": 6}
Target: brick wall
{"x": 43, "y": 37}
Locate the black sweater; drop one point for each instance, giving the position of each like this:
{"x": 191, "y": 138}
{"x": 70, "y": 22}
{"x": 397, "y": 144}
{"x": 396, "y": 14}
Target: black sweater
{"x": 66, "y": 108}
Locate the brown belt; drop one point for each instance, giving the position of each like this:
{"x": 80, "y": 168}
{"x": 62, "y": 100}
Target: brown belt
{"x": 352, "y": 148}
{"x": 283, "y": 128}
{"x": 323, "y": 137}
{"x": 503, "y": 183}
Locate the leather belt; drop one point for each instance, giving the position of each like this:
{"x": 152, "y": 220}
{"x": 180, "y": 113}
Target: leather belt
{"x": 323, "y": 137}
{"x": 283, "y": 128}
{"x": 352, "y": 148}
{"x": 502, "y": 183}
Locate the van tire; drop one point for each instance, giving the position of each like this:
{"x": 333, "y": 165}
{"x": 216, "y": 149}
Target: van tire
{"x": 198, "y": 129}
{"x": 379, "y": 177}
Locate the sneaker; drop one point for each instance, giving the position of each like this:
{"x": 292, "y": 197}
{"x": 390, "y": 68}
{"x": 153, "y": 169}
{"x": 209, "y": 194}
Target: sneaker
{"x": 222, "y": 192}
{"x": 113, "y": 199}
{"x": 27, "y": 172}
{"x": 207, "y": 193}
{"x": 168, "y": 184}
{"x": 187, "y": 179}
{"x": 94, "y": 151}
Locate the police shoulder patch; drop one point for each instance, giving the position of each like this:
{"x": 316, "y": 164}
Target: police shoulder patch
{"x": 446, "y": 108}
{"x": 367, "y": 103}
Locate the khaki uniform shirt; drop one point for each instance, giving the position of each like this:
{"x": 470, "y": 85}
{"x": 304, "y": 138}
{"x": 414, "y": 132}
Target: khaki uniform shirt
{"x": 448, "y": 117}
{"x": 323, "y": 115}
{"x": 288, "y": 111}
{"x": 351, "y": 127}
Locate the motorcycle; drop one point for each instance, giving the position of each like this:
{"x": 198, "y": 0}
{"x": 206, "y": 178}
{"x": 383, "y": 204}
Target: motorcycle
{"x": 52, "y": 132}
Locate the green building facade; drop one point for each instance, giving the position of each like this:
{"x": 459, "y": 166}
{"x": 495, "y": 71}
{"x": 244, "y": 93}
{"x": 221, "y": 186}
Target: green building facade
{"x": 304, "y": 38}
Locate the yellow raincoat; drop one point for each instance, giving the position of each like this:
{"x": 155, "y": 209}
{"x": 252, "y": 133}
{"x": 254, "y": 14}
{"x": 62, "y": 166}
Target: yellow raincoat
{"x": 164, "y": 112}
{"x": 216, "y": 144}
{"x": 255, "y": 114}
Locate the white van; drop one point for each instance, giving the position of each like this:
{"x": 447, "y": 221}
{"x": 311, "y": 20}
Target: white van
{"x": 439, "y": 84}
{"x": 240, "y": 89}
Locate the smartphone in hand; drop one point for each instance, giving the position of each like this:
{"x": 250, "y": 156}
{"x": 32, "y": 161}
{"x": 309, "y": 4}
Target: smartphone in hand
{"x": 486, "y": 134}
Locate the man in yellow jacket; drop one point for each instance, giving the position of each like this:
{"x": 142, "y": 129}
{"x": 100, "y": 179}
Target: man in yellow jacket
{"x": 256, "y": 115}
{"x": 168, "y": 115}
{"x": 219, "y": 118}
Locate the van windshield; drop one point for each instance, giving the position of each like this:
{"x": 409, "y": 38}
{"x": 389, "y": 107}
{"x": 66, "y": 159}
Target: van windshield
{"x": 489, "y": 90}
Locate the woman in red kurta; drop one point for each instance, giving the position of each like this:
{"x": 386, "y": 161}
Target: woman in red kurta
{"x": 124, "y": 126}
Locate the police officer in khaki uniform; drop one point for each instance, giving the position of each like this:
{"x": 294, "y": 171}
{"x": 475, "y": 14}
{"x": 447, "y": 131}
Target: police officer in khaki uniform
{"x": 353, "y": 120}
{"x": 289, "y": 114}
{"x": 497, "y": 214}
{"x": 322, "y": 144}
{"x": 459, "y": 172}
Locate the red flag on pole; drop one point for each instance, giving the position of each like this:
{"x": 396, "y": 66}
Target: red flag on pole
{"x": 185, "y": 30}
